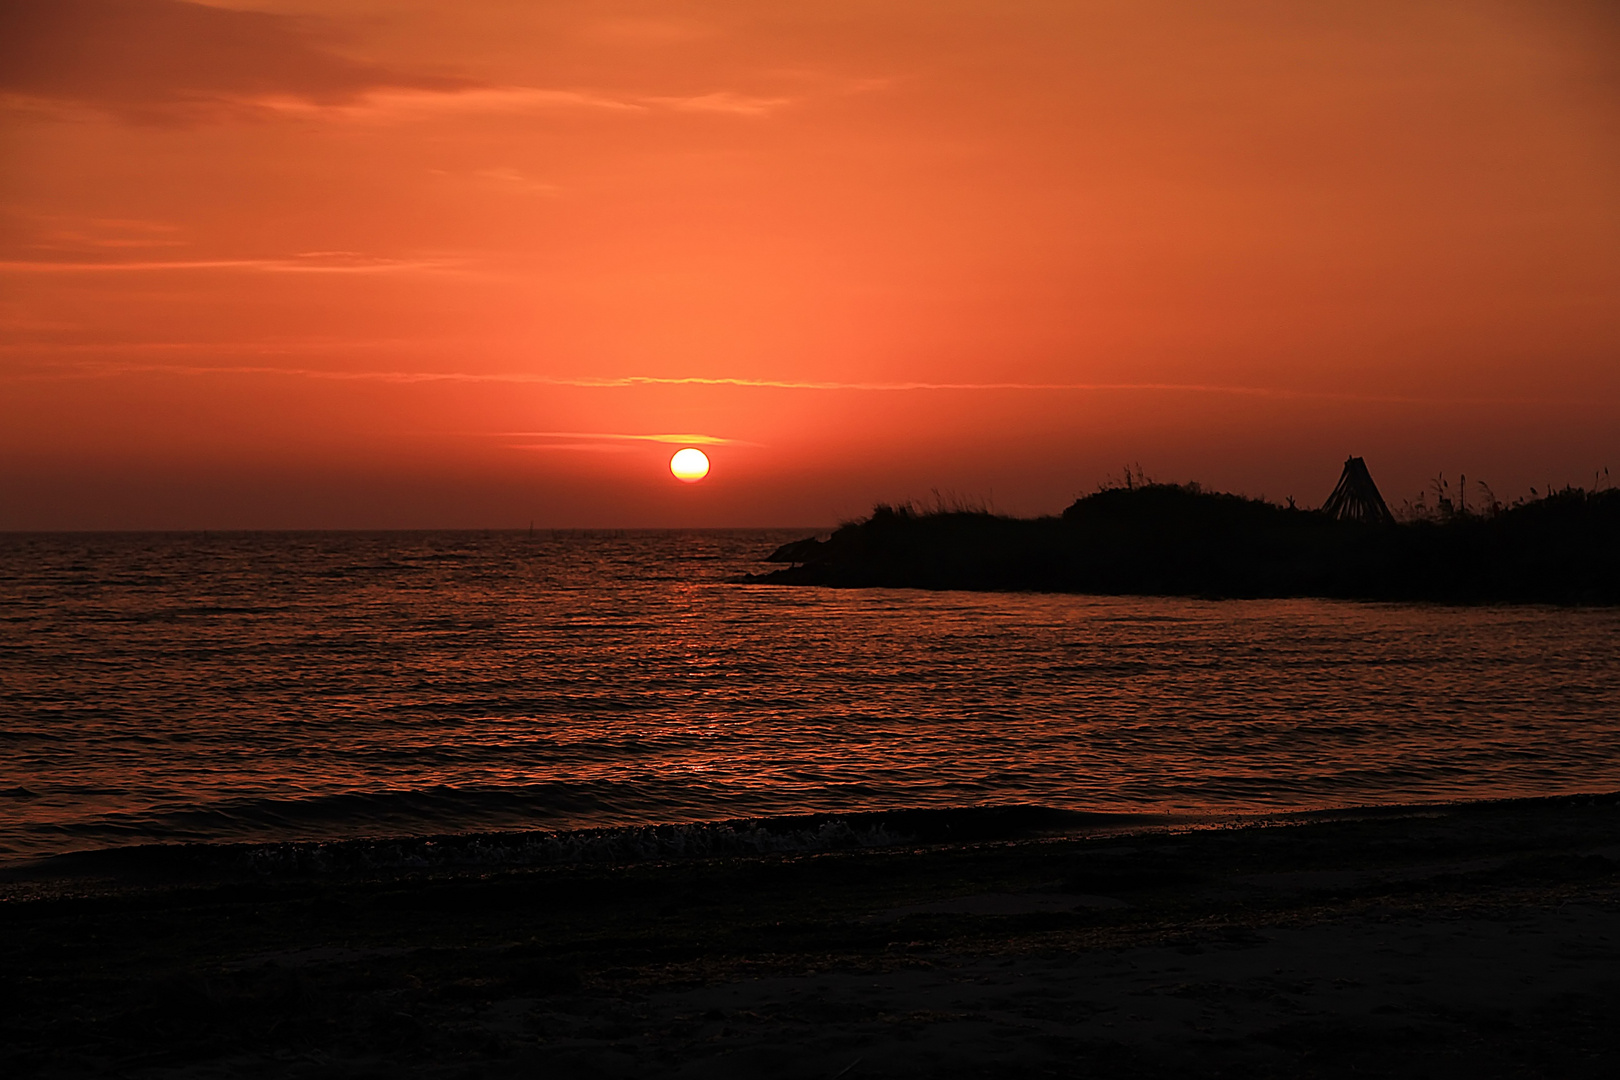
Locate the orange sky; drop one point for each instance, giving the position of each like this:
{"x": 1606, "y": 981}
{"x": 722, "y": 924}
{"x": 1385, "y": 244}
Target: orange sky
{"x": 391, "y": 263}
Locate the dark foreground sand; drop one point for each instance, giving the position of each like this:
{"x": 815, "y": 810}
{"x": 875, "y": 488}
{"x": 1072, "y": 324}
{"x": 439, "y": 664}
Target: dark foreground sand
{"x": 1480, "y": 940}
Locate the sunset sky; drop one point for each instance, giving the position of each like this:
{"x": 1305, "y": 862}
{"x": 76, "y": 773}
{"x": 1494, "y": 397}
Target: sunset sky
{"x": 398, "y": 263}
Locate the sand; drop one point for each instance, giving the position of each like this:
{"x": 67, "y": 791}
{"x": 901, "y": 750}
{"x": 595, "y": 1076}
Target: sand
{"x": 1480, "y": 940}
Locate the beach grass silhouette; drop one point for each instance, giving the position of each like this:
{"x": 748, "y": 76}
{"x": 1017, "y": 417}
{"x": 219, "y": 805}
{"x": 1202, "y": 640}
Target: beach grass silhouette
{"x": 1146, "y": 538}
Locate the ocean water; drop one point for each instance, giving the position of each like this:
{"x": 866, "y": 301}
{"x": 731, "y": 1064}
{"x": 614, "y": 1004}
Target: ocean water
{"x": 269, "y": 687}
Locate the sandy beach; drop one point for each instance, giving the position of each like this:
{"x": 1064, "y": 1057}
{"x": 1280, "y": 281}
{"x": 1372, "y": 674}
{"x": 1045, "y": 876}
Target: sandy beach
{"x": 1422, "y": 941}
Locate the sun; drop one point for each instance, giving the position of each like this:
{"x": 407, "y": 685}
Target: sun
{"x": 689, "y": 465}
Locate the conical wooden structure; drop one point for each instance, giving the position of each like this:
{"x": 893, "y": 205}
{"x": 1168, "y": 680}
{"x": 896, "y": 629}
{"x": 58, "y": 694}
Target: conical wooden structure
{"x": 1356, "y": 497}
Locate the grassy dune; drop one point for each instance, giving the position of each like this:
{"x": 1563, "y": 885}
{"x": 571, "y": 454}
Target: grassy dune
{"x": 1168, "y": 539}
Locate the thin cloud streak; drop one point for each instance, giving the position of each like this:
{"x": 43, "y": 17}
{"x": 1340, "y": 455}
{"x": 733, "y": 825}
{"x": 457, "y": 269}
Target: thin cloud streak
{"x": 688, "y": 439}
{"x": 92, "y": 371}
{"x": 722, "y": 101}
{"x": 274, "y": 266}
{"x": 408, "y": 103}
{"x": 587, "y": 447}
{"x": 259, "y": 348}
{"x": 497, "y": 99}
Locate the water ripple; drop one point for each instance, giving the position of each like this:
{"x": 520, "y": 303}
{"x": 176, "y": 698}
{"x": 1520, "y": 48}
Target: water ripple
{"x": 271, "y": 687}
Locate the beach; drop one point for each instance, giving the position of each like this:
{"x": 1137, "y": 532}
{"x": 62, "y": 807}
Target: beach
{"x": 1422, "y": 941}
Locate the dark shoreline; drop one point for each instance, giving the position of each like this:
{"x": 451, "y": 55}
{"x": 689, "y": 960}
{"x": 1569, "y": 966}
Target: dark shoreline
{"x": 163, "y": 864}
{"x": 1181, "y": 540}
{"x": 1418, "y": 940}
{"x": 494, "y": 850}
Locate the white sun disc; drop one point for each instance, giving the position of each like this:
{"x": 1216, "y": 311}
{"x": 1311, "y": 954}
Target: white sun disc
{"x": 689, "y": 465}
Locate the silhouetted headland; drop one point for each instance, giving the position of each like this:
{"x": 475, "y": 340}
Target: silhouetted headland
{"x": 1179, "y": 539}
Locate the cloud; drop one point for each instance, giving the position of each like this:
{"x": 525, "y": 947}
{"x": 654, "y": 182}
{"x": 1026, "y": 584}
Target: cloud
{"x": 587, "y": 447}
{"x": 686, "y": 439}
{"x": 515, "y": 180}
{"x": 104, "y": 369}
{"x": 413, "y": 104}
{"x": 309, "y": 262}
{"x": 101, "y": 234}
{"x": 723, "y": 101}
{"x": 171, "y": 61}
{"x": 409, "y": 104}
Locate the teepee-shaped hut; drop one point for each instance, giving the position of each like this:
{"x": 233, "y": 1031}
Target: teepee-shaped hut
{"x": 1356, "y": 497}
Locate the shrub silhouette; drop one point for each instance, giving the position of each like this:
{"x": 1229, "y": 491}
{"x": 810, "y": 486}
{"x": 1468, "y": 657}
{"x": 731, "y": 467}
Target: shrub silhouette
{"x": 1174, "y": 539}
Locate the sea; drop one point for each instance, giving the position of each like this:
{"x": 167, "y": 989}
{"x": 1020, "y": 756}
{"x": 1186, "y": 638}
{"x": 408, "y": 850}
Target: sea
{"x": 285, "y": 688}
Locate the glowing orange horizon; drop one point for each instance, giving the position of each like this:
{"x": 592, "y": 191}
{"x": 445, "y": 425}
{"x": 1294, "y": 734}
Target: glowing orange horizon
{"x": 328, "y": 262}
